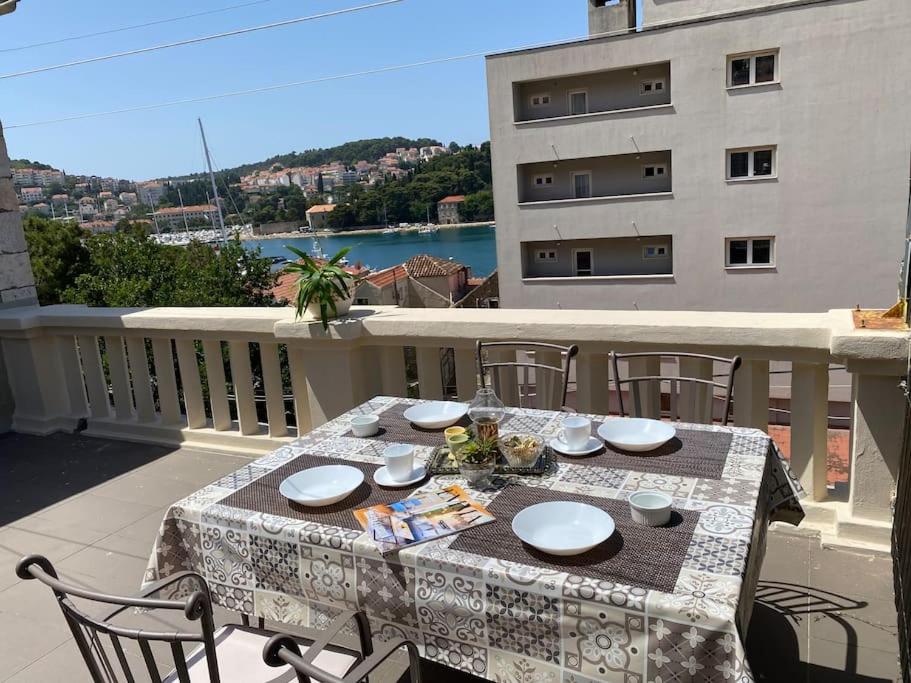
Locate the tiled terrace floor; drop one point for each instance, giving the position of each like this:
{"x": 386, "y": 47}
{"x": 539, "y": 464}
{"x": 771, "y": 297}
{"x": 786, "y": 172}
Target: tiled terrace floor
{"x": 94, "y": 506}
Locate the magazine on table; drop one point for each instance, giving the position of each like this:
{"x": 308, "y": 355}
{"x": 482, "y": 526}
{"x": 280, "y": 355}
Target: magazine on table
{"x": 422, "y": 517}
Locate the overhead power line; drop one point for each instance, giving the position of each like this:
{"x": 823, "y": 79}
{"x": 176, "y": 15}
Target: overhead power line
{"x": 314, "y": 81}
{"x": 200, "y": 39}
{"x": 120, "y": 29}
{"x": 250, "y": 91}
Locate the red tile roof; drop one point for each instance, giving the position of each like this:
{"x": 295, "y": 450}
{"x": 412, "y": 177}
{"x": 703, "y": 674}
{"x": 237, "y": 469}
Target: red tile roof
{"x": 285, "y": 286}
{"x": 452, "y": 199}
{"x": 387, "y": 276}
{"x": 424, "y": 265}
{"x": 321, "y": 208}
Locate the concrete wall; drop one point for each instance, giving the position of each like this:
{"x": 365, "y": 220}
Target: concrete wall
{"x": 610, "y": 257}
{"x": 837, "y": 207}
{"x": 610, "y": 176}
{"x": 607, "y": 90}
{"x": 272, "y": 228}
{"x": 610, "y": 15}
{"x": 17, "y": 284}
{"x": 657, "y": 11}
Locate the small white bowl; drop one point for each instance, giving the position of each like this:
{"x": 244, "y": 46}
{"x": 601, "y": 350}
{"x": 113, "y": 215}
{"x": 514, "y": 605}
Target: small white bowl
{"x": 636, "y": 434}
{"x": 563, "y": 527}
{"x": 319, "y": 486}
{"x": 365, "y": 425}
{"x": 650, "y": 508}
{"x": 436, "y": 414}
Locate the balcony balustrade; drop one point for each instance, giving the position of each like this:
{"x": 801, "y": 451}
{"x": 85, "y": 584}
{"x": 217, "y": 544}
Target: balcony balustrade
{"x": 223, "y": 377}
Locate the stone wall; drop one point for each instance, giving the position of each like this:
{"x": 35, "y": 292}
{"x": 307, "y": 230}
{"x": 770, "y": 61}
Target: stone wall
{"x": 17, "y": 284}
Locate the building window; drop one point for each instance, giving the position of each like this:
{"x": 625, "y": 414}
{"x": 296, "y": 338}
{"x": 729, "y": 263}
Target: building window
{"x": 583, "y": 264}
{"x": 651, "y": 87}
{"x": 543, "y": 180}
{"x": 582, "y": 184}
{"x": 744, "y": 252}
{"x": 751, "y": 163}
{"x": 546, "y": 255}
{"x": 654, "y": 251}
{"x": 752, "y": 69}
{"x": 578, "y": 102}
{"x": 493, "y": 302}
{"x": 540, "y": 100}
{"x": 361, "y": 302}
{"x": 654, "y": 171}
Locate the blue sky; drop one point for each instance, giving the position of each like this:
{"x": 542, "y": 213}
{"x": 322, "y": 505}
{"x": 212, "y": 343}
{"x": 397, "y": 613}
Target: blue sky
{"x": 446, "y": 101}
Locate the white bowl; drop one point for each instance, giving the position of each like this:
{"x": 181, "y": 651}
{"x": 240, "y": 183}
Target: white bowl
{"x": 563, "y": 527}
{"x": 636, "y": 433}
{"x": 436, "y": 414}
{"x": 365, "y": 425}
{"x": 650, "y": 507}
{"x": 321, "y": 485}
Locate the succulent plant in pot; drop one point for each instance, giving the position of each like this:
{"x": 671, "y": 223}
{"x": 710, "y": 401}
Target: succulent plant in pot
{"x": 324, "y": 290}
{"x": 477, "y": 460}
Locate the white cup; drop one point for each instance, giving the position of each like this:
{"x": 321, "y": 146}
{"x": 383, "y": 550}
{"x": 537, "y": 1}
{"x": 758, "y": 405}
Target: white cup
{"x": 365, "y": 425}
{"x": 399, "y": 461}
{"x": 576, "y": 432}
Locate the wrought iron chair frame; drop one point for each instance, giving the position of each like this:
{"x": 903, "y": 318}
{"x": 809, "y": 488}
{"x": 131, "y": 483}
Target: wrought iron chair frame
{"x": 567, "y": 353}
{"x": 196, "y": 607}
{"x": 635, "y": 381}
{"x": 283, "y": 649}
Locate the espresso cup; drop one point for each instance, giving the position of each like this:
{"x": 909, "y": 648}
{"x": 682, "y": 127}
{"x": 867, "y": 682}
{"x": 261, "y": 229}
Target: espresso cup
{"x": 399, "y": 461}
{"x": 576, "y": 432}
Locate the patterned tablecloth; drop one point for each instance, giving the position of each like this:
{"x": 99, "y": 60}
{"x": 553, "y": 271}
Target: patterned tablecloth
{"x": 651, "y": 606}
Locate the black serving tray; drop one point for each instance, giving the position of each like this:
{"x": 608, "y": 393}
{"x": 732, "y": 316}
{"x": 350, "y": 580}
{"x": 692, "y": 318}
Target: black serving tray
{"x": 440, "y": 463}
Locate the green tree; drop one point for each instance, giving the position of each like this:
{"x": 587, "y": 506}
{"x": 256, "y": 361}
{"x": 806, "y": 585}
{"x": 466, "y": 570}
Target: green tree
{"x": 477, "y": 207}
{"x": 129, "y": 269}
{"x": 57, "y": 254}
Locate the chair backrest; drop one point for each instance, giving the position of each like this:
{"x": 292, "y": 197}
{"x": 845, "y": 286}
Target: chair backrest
{"x": 541, "y": 381}
{"x": 701, "y": 382}
{"x": 93, "y": 635}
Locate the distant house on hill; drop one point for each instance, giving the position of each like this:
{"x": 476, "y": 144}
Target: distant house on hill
{"x": 448, "y": 209}
{"x": 318, "y": 215}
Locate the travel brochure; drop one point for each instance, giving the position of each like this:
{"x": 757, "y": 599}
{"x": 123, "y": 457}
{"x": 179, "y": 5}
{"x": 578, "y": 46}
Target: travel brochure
{"x": 423, "y": 517}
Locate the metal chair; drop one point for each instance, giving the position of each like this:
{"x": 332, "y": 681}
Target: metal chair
{"x": 283, "y": 650}
{"x": 692, "y": 399}
{"x": 548, "y": 385}
{"x": 231, "y": 653}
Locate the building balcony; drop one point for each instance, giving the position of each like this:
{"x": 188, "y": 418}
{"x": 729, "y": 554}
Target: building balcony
{"x": 205, "y": 389}
{"x": 592, "y": 94}
{"x": 617, "y": 177}
{"x": 619, "y": 258}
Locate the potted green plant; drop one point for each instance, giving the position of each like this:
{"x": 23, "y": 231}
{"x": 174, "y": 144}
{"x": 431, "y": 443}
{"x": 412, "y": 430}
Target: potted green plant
{"x": 325, "y": 290}
{"x": 477, "y": 460}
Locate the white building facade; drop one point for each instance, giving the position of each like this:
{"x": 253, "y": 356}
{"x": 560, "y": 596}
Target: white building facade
{"x": 743, "y": 158}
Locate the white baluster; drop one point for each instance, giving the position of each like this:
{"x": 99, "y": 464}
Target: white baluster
{"x": 430, "y": 381}
{"x": 392, "y": 369}
{"x": 189, "y": 380}
{"x": 751, "y": 395}
{"x": 272, "y": 378}
{"x": 466, "y": 363}
{"x": 168, "y": 402}
{"x": 242, "y": 377}
{"x": 95, "y": 383}
{"x": 218, "y": 390}
{"x": 142, "y": 384}
{"x": 809, "y": 425}
{"x": 120, "y": 378}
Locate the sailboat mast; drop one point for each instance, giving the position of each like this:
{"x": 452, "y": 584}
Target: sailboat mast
{"x": 205, "y": 146}
{"x": 186, "y": 225}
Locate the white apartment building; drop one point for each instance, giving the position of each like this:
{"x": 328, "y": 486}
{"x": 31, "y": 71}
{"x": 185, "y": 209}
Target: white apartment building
{"x": 31, "y": 194}
{"x": 730, "y": 155}
{"x": 174, "y": 216}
